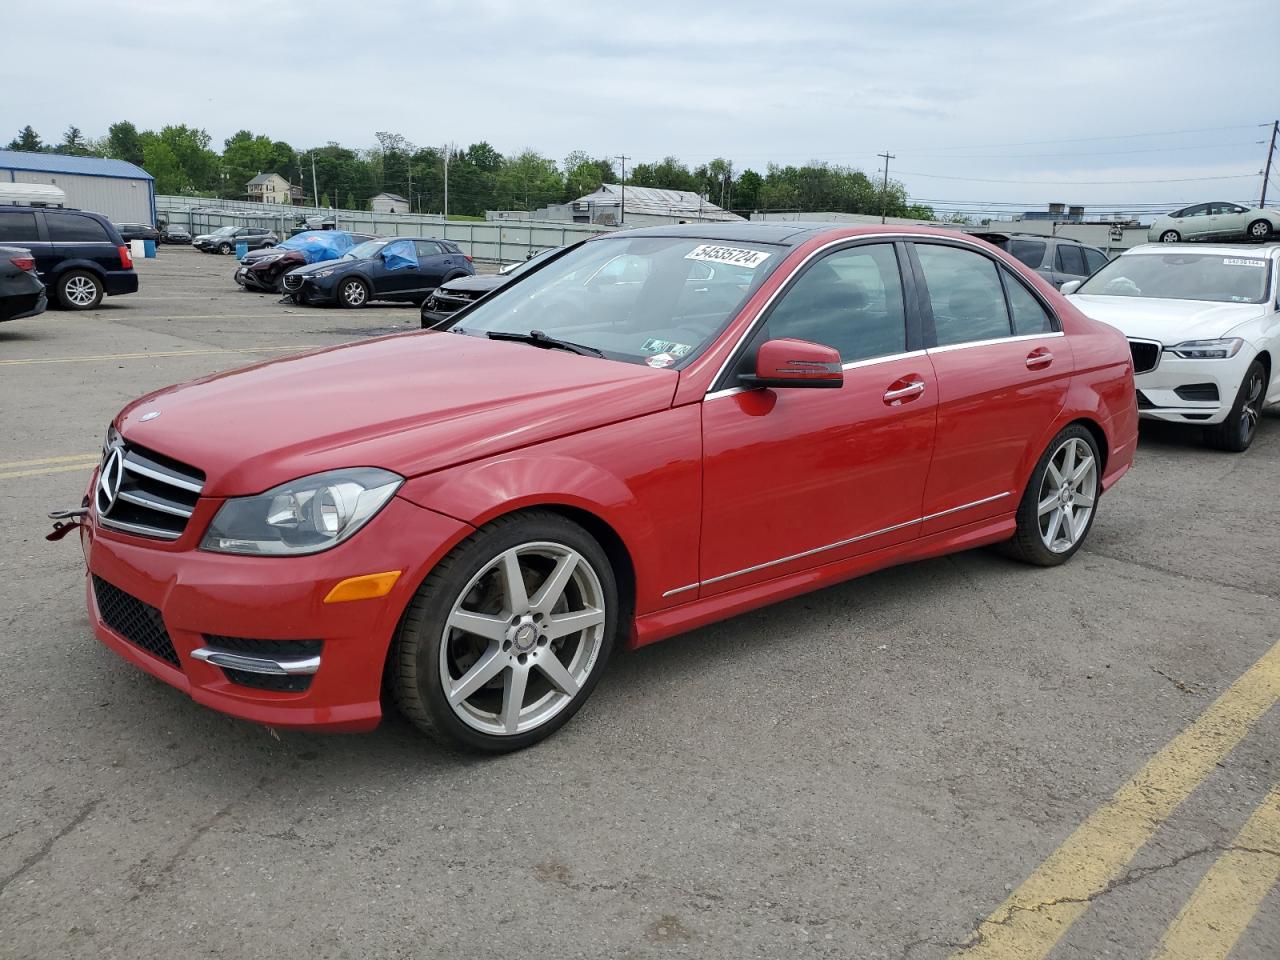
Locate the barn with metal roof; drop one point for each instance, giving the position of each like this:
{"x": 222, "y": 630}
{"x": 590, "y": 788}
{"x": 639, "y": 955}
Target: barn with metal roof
{"x": 119, "y": 190}
{"x": 646, "y": 206}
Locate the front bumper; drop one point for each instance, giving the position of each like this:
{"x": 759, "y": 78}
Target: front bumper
{"x": 259, "y": 605}
{"x": 251, "y": 280}
{"x": 1158, "y": 389}
{"x": 314, "y": 289}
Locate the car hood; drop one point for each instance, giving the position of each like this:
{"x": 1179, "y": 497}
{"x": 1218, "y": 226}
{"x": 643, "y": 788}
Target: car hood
{"x": 482, "y": 283}
{"x": 339, "y": 263}
{"x": 412, "y": 403}
{"x": 1168, "y": 321}
{"x": 271, "y": 259}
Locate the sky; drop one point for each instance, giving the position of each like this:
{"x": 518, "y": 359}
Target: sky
{"x": 1115, "y": 104}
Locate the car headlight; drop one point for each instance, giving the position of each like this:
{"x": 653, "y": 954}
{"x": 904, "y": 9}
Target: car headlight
{"x": 324, "y": 273}
{"x": 1207, "y": 349}
{"x": 270, "y": 258}
{"x": 303, "y": 516}
{"x": 110, "y": 440}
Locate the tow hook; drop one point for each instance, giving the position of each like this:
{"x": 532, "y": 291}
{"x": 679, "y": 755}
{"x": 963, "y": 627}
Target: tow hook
{"x": 61, "y": 529}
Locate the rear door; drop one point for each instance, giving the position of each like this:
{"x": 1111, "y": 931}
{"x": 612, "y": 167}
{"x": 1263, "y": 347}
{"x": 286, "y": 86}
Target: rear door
{"x": 75, "y": 236}
{"x": 23, "y": 227}
{"x": 435, "y": 262}
{"x": 1068, "y": 263}
{"x": 1003, "y": 368}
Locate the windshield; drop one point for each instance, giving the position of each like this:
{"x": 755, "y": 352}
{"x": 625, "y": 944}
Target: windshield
{"x": 365, "y": 250}
{"x": 524, "y": 266}
{"x": 654, "y": 300}
{"x": 1183, "y": 276}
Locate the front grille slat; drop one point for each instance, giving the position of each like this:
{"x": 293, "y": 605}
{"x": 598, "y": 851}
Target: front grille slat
{"x": 153, "y": 501}
{"x": 156, "y": 497}
{"x": 135, "y": 462}
{"x": 1146, "y": 355}
{"x": 139, "y": 623}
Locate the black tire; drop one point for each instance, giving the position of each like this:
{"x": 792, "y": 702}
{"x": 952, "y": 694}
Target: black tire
{"x": 224, "y": 248}
{"x": 1170, "y": 236}
{"x": 1259, "y": 230}
{"x": 1235, "y": 434}
{"x": 352, "y": 292}
{"x": 79, "y": 290}
{"x": 414, "y": 663}
{"x": 1027, "y": 543}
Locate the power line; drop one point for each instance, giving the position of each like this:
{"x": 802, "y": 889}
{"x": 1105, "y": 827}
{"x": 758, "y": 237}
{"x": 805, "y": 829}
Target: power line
{"x": 1100, "y": 153}
{"x": 1071, "y": 183}
{"x": 1118, "y": 136}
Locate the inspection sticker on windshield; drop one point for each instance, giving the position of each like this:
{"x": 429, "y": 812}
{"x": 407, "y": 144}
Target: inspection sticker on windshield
{"x": 1237, "y": 262}
{"x": 654, "y": 345}
{"x": 737, "y": 256}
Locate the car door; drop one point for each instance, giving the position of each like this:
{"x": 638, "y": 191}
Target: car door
{"x": 1194, "y": 222}
{"x": 393, "y": 271}
{"x": 1003, "y": 368}
{"x": 794, "y": 478}
{"x": 1068, "y": 263}
{"x": 1232, "y": 221}
{"x": 75, "y": 236}
{"x": 434, "y": 264}
{"x": 23, "y": 227}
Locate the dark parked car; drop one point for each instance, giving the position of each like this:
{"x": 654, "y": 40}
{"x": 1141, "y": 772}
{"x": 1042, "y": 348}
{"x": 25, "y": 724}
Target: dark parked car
{"x": 138, "y": 231}
{"x": 79, "y": 255}
{"x": 21, "y": 292}
{"x": 224, "y": 239}
{"x": 265, "y": 269}
{"x": 173, "y": 234}
{"x": 398, "y": 268}
{"x": 451, "y": 297}
{"x": 1054, "y": 258}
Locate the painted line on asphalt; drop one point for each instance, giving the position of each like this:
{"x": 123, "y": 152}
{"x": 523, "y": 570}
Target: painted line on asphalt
{"x": 1229, "y": 896}
{"x": 198, "y": 316}
{"x": 1036, "y": 915}
{"x": 80, "y": 457}
{"x": 85, "y": 467}
{"x": 159, "y": 354}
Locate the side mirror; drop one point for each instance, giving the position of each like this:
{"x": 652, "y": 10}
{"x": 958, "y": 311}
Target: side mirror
{"x": 1071, "y": 286}
{"x": 795, "y": 363}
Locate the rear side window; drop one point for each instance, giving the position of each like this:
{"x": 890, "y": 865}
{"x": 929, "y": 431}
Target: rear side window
{"x": 1095, "y": 260}
{"x": 18, "y": 227}
{"x": 427, "y": 249}
{"x": 965, "y": 294}
{"x": 1029, "y": 317}
{"x": 76, "y": 228}
{"x": 1030, "y": 252}
{"x": 1070, "y": 261}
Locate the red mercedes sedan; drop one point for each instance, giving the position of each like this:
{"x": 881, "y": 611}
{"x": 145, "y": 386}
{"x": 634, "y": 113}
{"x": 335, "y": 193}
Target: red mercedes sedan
{"x": 654, "y": 430}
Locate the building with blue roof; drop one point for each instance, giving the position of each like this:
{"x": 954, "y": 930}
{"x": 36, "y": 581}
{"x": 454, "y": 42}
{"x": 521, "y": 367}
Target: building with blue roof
{"x": 119, "y": 190}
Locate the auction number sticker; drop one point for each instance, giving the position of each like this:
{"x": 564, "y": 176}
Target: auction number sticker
{"x": 1238, "y": 262}
{"x": 737, "y": 256}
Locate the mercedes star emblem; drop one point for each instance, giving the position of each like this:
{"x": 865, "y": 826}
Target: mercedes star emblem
{"x": 110, "y": 478}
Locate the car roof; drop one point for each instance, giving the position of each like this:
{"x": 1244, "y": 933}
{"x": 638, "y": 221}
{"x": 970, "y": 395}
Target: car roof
{"x": 1256, "y": 251}
{"x": 788, "y": 233}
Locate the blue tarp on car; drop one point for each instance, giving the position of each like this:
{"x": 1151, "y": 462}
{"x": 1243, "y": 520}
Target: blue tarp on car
{"x": 400, "y": 255}
{"x": 320, "y": 245}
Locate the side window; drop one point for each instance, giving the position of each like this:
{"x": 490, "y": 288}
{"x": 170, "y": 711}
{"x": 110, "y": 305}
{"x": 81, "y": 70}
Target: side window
{"x": 1030, "y": 252}
{"x": 18, "y": 227}
{"x": 965, "y": 294}
{"x": 1029, "y": 316}
{"x": 850, "y": 300}
{"x": 1069, "y": 260}
{"x": 74, "y": 228}
{"x": 427, "y": 248}
{"x": 1198, "y": 210}
{"x": 1094, "y": 260}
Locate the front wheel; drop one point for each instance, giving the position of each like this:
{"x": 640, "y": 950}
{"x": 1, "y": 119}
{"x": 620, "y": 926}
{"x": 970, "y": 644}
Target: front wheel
{"x": 1259, "y": 230}
{"x": 353, "y": 293}
{"x": 224, "y": 248}
{"x": 1057, "y": 508}
{"x": 509, "y": 634}
{"x": 1235, "y": 434}
{"x": 1170, "y": 236}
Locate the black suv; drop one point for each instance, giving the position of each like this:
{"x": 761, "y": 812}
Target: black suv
{"x": 1054, "y": 258}
{"x": 79, "y": 255}
{"x": 224, "y": 239}
{"x": 138, "y": 231}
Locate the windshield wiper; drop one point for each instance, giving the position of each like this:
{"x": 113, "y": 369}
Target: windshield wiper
{"x": 540, "y": 339}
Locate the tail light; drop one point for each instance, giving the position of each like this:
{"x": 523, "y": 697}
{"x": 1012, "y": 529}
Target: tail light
{"x": 126, "y": 261}
{"x": 470, "y": 259}
{"x": 24, "y": 263}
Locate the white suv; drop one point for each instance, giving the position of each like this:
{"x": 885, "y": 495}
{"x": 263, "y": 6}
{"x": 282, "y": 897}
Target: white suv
{"x": 1203, "y": 329}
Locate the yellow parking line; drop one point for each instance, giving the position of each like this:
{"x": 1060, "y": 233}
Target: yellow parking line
{"x": 1036, "y": 915}
{"x": 86, "y": 467}
{"x": 91, "y": 457}
{"x": 157, "y": 353}
{"x": 1230, "y": 893}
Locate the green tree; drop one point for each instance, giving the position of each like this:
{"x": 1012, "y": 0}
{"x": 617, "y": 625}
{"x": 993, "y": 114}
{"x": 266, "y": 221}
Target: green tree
{"x": 159, "y": 160}
{"x": 73, "y": 141}
{"x": 245, "y": 155}
{"x": 746, "y": 190}
{"x": 27, "y": 139}
{"x": 124, "y": 143}
{"x": 324, "y": 201}
{"x": 528, "y": 181}
{"x": 584, "y": 175}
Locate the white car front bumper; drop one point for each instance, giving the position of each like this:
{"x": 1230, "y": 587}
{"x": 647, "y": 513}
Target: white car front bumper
{"x": 1192, "y": 391}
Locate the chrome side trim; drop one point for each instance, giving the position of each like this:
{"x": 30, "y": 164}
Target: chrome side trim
{"x": 986, "y": 343}
{"x": 138, "y": 528}
{"x": 238, "y": 661}
{"x": 835, "y": 546}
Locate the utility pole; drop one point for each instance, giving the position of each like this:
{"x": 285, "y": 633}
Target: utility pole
{"x": 884, "y": 188}
{"x": 315, "y": 191}
{"x": 448, "y": 148}
{"x": 622, "y": 211}
{"x": 1266, "y": 173}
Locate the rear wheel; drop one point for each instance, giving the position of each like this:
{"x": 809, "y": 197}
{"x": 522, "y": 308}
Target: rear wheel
{"x": 352, "y": 292}
{"x": 1259, "y": 230}
{"x": 1235, "y": 434}
{"x": 78, "y": 290}
{"x": 1057, "y": 508}
{"x": 1170, "y": 236}
{"x": 508, "y": 636}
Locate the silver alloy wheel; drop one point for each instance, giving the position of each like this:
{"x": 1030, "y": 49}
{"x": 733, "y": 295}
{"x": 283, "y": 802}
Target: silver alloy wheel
{"x": 353, "y": 293}
{"x": 1252, "y": 407}
{"x": 1260, "y": 229}
{"x": 522, "y": 638}
{"x": 1068, "y": 491}
{"x": 81, "y": 290}
{"x": 1170, "y": 236}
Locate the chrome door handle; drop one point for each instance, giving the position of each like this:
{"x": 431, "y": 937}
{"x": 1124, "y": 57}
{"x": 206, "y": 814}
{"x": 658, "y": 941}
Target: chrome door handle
{"x": 1039, "y": 359}
{"x": 913, "y": 389}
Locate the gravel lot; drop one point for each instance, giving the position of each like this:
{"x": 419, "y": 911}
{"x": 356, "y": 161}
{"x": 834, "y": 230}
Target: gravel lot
{"x": 866, "y": 772}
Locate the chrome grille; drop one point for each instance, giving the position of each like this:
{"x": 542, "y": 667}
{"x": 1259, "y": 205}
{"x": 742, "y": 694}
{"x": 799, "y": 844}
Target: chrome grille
{"x": 146, "y": 493}
{"x": 292, "y": 281}
{"x": 1146, "y": 354}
